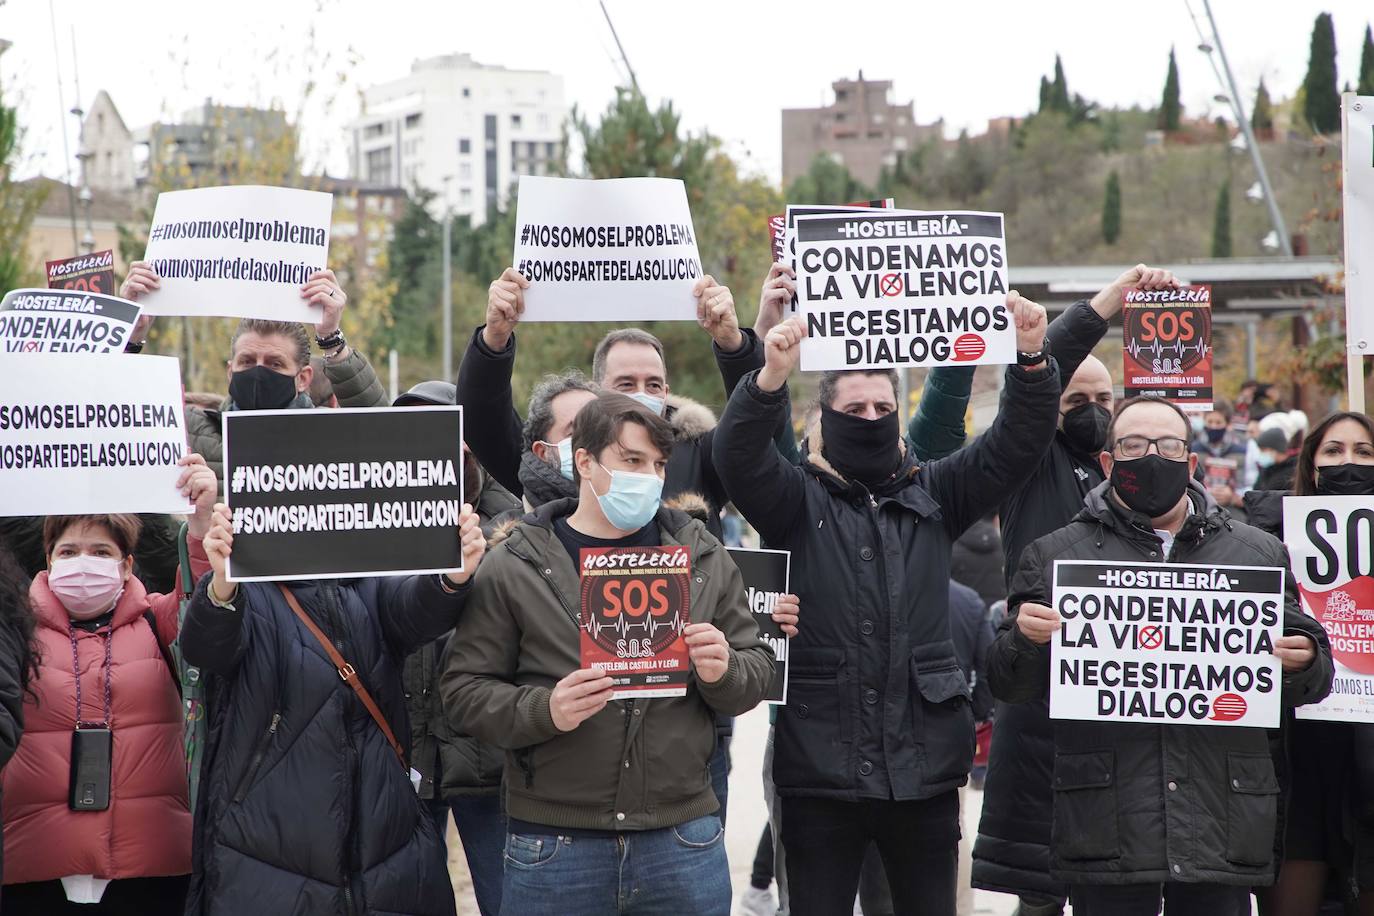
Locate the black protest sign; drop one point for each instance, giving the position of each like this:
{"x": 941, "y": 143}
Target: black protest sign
{"x": 86, "y": 273}
{"x": 342, "y": 493}
{"x": 765, "y": 574}
{"x": 65, "y": 321}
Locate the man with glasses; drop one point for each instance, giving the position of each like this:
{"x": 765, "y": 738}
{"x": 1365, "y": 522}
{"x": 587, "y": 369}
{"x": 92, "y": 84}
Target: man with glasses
{"x": 1143, "y": 813}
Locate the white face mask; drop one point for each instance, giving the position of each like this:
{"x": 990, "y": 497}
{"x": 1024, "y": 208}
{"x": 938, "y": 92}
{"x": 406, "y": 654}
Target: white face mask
{"x": 86, "y": 586}
{"x": 654, "y": 404}
{"x": 564, "y": 450}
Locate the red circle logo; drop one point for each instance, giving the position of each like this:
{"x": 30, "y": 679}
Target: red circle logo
{"x": 1228, "y": 707}
{"x": 968, "y": 347}
{"x": 891, "y": 285}
{"x": 1150, "y": 638}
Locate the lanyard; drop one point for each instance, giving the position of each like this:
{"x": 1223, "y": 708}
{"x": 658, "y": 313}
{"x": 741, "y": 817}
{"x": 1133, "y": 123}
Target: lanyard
{"x": 108, "y": 637}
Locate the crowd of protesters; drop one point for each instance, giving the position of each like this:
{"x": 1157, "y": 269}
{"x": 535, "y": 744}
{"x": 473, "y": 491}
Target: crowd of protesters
{"x": 919, "y": 624}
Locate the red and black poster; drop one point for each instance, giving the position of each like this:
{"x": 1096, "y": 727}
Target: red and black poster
{"x": 1220, "y": 472}
{"x": 86, "y": 273}
{"x": 1167, "y": 346}
{"x": 635, "y": 604}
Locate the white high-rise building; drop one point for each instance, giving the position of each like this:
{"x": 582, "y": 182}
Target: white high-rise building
{"x": 452, "y": 121}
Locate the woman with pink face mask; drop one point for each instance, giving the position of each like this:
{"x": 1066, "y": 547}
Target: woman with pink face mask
{"x": 96, "y": 819}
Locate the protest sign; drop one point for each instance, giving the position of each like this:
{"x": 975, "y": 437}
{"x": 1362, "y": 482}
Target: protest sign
{"x": 1167, "y": 643}
{"x": 635, "y": 605}
{"x": 901, "y": 289}
{"x": 620, "y": 249}
{"x": 1357, "y": 194}
{"x": 62, "y": 321}
{"x": 782, "y": 233}
{"x": 90, "y": 434}
{"x": 765, "y": 574}
{"x": 86, "y": 273}
{"x": 1331, "y": 548}
{"x": 1167, "y": 344}
{"x": 343, "y": 493}
{"x": 240, "y": 252}
{"x": 1220, "y": 472}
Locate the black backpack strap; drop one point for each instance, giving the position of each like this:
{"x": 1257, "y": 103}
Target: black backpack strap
{"x": 166, "y": 653}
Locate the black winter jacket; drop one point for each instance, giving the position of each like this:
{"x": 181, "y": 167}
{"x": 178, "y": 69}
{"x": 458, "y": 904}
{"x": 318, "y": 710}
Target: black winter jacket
{"x": 303, "y": 807}
{"x": 1138, "y": 803}
{"x": 972, "y": 634}
{"x": 878, "y": 705}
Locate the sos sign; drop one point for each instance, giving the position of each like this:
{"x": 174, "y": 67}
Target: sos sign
{"x": 634, "y": 614}
{"x": 1173, "y": 339}
{"x": 1331, "y": 542}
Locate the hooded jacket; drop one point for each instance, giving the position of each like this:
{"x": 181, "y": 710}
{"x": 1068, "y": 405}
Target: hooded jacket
{"x": 303, "y": 806}
{"x": 146, "y": 831}
{"x": 878, "y": 705}
{"x": 355, "y": 385}
{"x": 1137, "y": 803}
{"x": 636, "y": 764}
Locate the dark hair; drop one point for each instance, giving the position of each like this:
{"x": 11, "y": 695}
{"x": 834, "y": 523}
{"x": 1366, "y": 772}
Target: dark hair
{"x": 1147, "y": 399}
{"x": 598, "y": 424}
{"x": 1223, "y": 407}
{"x": 831, "y": 379}
{"x": 539, "y": 417}
{"x": 291, "y": 330}
{"x": 1305, "y": 474}
{"x": 124, "y": 529}
{"x": 623, "y": 335}
{"x": 16, "y": 614}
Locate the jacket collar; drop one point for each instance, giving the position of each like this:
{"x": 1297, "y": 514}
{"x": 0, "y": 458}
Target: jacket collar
{"x": 689, "y": 419}
{"x": 1104, "y": 509}
{"x": 904, "y": 487}
{"x": 50, "y": 613}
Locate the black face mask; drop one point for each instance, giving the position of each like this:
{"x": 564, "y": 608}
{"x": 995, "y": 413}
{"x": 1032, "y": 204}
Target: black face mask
{"x": 1151, "y": 485}
{"x": 1346, "y": 480}
{"x": 862, "y": 450}
{"x": 1085, "y": 428}
{"x": 1215, "y": 436}
{"x": 259, "y": 388}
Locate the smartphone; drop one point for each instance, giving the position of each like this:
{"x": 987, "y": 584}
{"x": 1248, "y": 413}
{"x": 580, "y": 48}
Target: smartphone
{"x": 92, "y": 757}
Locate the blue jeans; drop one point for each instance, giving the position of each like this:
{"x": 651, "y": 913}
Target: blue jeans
{"x": 668, "y": 872}
{"x": 482, "y": 828}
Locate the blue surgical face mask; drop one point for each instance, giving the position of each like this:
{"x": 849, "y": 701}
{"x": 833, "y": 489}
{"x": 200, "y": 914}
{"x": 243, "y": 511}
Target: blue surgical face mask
{"x": 655, "y": 405}
{"x": 1265, "y": 459}
{"x": 565, "y": 456}
{"x": 632, "y": 499}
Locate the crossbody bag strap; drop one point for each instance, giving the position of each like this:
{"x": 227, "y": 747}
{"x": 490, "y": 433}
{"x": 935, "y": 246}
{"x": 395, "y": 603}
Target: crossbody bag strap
{"x": 346, "y": 672}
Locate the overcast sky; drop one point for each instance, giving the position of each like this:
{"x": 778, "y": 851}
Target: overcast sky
{"x": 729, "y": 65}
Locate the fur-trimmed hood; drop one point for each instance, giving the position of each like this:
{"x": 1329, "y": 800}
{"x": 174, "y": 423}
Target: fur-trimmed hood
{"x": 689, "y": 419}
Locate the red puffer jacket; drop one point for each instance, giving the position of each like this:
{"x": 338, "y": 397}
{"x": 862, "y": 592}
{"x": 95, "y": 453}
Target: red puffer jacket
{"x": 146, "y": 831}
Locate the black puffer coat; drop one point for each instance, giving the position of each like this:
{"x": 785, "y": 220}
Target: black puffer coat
{"x": 878, "y": 706}
{"x": 304, "y": 808}
{"x": 1138, "y": 803}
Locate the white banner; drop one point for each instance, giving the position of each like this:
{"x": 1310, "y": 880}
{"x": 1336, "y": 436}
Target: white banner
{"x": 903, "y": 288}
{"x": 1331, "y": 546}
{"x": 241, "y": 252}
{"x": 1167, "y": 643}
{"x": 620, "y": 249}
{"x": 65, "y": 321}
{"x": 87, "y": 434}
{"x": 1357, "y": 165}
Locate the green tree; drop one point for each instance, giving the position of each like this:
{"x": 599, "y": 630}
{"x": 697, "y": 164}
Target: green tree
{"x": 1170, "y": 110}
{"x": 1059, "y": 89}
{"x": 967, "y": 173}
{"x": 1045, "y": 93}
{"x": 1262, "y": 117}
{"x": 1366, "y": 83}
{"x": 827, "y": 181}
{"x": 414, "y": 263}
{"x": 18, "y": 203}
{"x": 1111, "y": 210}
{"x": 1221, "y": 223}
{"x": 1321, "y": 101}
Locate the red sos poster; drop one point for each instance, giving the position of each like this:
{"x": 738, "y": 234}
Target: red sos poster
{"x": 87, "y": 273}
{"x": 635, "y": 604}
{"x": 1167, "y": 345}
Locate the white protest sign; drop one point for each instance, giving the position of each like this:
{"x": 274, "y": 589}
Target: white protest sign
{"x": 1331, "y": 547}
{"x": 90, "y": 434}
{"x": 1167, "y": 643}
{"x": 902, "y": 288}
{"x": 789, "y": 232}
{"x": 1357, "y": 166}
{"x": 239, "y": 252}
{"x": 65, "y": 321}
{"x": 620, "y": 249}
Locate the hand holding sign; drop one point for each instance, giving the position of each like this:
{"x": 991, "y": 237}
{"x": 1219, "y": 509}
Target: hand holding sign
{"x": 219, "y": 544}
{"x": 786, "y": 613}
{"x": 505, "y": 305}
{"x": 1037, "y": 622}
{"x": 1108, "y": 302}
{"x": 709, "y": 651}
{"x": 322, "y": 288}
{"x": 473, "y": 544}
{"x": 578, "y": 697}
{"x": 716, "y": 314}
{"x": 198, "y": 484}
{"x": 1030, "y": 322}
{"x": 1295, "y": 653}
{"x": 141, "y": 279}
{"x": 782, "y": 352}
{"x": 779, "y": 289}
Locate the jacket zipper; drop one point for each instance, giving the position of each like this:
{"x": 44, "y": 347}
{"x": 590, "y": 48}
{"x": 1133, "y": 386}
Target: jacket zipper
{"x": 258, "y": 753}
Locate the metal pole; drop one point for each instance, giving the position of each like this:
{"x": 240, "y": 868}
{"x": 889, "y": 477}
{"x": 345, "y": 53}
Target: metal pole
{"x": 633, "y": 81}
{"x": 448, "y": 296}
{"x": 1285, "y": 243}
{"x": 395, "y": 379}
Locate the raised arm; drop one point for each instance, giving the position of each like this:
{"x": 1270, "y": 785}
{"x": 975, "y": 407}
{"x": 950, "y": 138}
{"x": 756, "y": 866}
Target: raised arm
{"x": 491, "y": 424}
{"x": 937, "y": 427}
{"x": 1075, "y": 333}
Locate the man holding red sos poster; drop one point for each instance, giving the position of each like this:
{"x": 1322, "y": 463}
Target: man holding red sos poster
{"x": 610, "y": 801}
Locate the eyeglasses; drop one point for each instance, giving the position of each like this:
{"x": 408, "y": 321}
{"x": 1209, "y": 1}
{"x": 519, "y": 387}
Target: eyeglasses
{"x": 1170, "y": 447}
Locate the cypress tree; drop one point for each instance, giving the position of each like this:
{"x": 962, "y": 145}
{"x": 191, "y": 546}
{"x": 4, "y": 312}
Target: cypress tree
{"x": 1321, "y": 101}
{"x": 1366, "y": 83}
{"x": 1044, "y": 93}
{"x": 1262, "y": 117}
{"x": 1059, "y": 90}
{"x": 1221, "y": 223}
{"x": 1170, "y": 109}
{"x": 1111, "y": 210}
